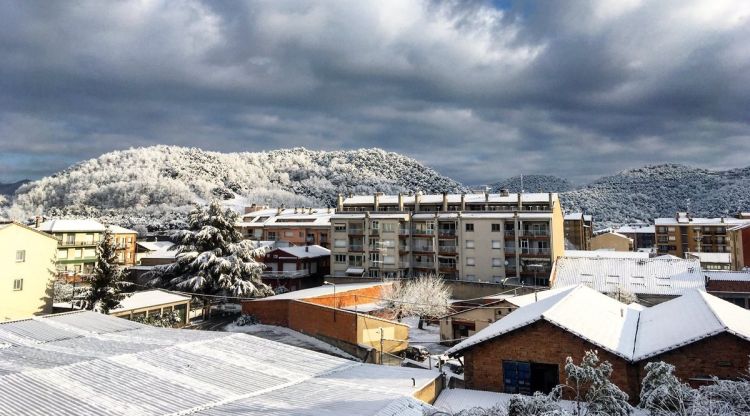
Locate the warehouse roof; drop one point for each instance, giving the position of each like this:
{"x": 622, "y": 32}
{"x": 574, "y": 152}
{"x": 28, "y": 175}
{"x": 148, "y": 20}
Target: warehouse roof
{"x": 629, "y": 331}
{"x": 670, "y": 277}
{"x": 88, "y": 363}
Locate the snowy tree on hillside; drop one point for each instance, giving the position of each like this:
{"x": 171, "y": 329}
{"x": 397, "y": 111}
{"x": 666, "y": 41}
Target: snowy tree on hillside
{"x": 426, "y": 296}
{"x": 106, "y": 285}
{"x": 212, "y": 258}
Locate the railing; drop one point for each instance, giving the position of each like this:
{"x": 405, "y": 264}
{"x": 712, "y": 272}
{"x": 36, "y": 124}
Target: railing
{"x": 404, "y": 231}
{"x": 418, "y": 231}
{"x": 535, "y": 233}
{"x": 510, "y": 233}
{"x": 290, "y": 274}
{"x": 423, "y": 248}
{"x": 539, "y": 251}
{"x": 446, "y": 232}
{"x": 510, "y": 250}
{"x": 423, "y": 264}
{"x": 403, "y": 265}
{"x": 374, "y": 231}
{"x": 447, "y": 249}
{"x": 76, "y": 243}
{"x": 403, "y": 248}
{"x": 356, "y": 230}
{"x": 356, "y": 247}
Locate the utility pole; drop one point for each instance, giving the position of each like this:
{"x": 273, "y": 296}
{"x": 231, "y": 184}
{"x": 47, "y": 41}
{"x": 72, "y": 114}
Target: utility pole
{"x": 381, "y": 345}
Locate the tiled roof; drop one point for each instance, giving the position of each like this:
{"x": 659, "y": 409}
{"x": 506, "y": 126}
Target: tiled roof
{"x": 88, "y": 363}
{"x": 629, "y": 331}
{"x": 670, "y": 277}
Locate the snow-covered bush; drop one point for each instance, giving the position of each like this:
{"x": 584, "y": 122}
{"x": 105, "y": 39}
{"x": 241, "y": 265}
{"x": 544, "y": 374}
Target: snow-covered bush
{"x": 164, "y": 320}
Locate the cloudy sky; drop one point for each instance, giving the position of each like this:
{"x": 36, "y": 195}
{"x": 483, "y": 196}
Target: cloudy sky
{"x": 477, "y": 90}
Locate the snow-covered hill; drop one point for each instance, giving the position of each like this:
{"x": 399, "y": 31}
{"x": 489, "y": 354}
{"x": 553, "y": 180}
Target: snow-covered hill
{"x": 137, "y": 185}
{"x": 533, "y": 183}
{"x": 659, "y": 191}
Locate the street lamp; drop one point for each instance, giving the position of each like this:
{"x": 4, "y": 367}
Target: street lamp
{"x": 335, "y": 303}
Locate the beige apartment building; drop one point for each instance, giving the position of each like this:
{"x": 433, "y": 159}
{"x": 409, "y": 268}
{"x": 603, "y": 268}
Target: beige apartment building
{"x": 684, "y": 234}
{"x": 27, "y": 265}
{"x": 474, "y": 237}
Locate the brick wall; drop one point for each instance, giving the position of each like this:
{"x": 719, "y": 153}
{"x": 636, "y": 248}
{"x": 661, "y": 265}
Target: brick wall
{"x": 723, "y": 355}
{"x": 540, "y": 342}
{"x": 727, "y": 286}
{"x": 350, "y": 298}
{"x": 269, "y": 312}
{"x": 316, "y": 320}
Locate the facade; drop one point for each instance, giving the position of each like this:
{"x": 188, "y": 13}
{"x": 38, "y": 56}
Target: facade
{"x": 77, "y": 242}
{"x": 578, "y": 230}
{"x": 153, "y": 303}
{"x": 27, "y": 265}
{"x": 474, "y": 237}
{"x": 526, "y": 351}
{"x": 683, "y": 234}
{"x": 739, "y": 238}
{"x": 296, "y": 267}
{"x": 612, "y": 241}
{"x": 732, "y": 286}
{"x": 643, "y": 235}
{"x": 652, "y": 280}
{"x": 85, "y": 363}
{"x": 295, "y": 226}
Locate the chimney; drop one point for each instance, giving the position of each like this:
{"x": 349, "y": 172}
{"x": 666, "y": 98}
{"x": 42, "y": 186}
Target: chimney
{"x": 340, "y": 202}
{"x": 463, "y": 201}
{"x": 486, "y": 196}
{"x": 549, "y": 195}
{"x": 376, "y": 200}
{"x": 279, "y": 209}
{"x": 329, "y": 210}
{"x": 504, "y": 192}
{"x": 309, "y": 210}
{"x": 400, "y": 201}
{"x": 37, "y": 221}
{"x": 445, "y": 201}
{"x": 417, "y": 200}
{"x": 307, "y": 249}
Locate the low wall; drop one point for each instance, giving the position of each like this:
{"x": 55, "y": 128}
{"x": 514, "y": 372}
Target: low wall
{"x": 395, "y": 334}
{"x": 269, "y": 312}
{"x": 315, "y": 320}
{"x": 350, "y": 298}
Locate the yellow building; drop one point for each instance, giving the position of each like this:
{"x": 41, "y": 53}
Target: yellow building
{"x": 612, "y": 241}
{"x": 27, "y": 265}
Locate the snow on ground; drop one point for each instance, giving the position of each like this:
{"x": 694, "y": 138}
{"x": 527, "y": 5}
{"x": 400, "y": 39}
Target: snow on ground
{"x": 429, "y": 337}
{"x": 289, "y": 337}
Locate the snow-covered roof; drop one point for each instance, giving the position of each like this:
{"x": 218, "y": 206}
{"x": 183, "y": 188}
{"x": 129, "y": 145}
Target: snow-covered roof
{"x": 289, "y": 217}
{"x": 683, "y": 220}
{"x": 61, "y": 226}
{"x": 149, "y": 298}
{"x": 687, "y": 319}
{"x": 88, "y": 363}
{"x": 325, "y": 290}
{"x": 636, "y": 229}
{"x": 629, "y": 331}
{"x": 6, "y": 224}
{"x": 452, "y": 198}
{"x": 116, "y": 229}
{"x": 304, "y": 252}
{"x": 670, "y": 277}
{"x": 155, "y": 245}
{"x": 667, "y": 256}
{"x": 601, "y": 320}
{"x": 160, "y": 254}
{"x": 610, "y": 254}
{"x": 577, "y": 216}
{"x": 704, "y": 257}
{"x": 728, "y": 276}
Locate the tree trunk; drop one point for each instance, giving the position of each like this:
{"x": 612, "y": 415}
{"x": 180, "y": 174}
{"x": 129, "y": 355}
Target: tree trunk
{"x": 421, "y": 323}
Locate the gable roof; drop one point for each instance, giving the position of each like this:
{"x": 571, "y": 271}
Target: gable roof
{"x": 61, "y": 226}
{"x": 706, "y": 257}
{"x": 9, "y": 224}
{"x": 149, "y": 298}
{"x": 669, "y": 277}
{"x": 155, "y": 245}
{"x": 65, "y": 364}
{"x": 305, "y": 252}
{"x": 629, "y": 331}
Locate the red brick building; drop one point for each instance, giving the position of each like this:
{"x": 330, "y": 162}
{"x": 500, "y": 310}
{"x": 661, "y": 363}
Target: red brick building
{"x": 525, "y": 351}
{"x": 731, "y": 286}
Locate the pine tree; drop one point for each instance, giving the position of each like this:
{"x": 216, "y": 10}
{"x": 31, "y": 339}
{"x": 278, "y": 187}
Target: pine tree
{"x": 106, "y": 285}
{"x": 212, "y": 258}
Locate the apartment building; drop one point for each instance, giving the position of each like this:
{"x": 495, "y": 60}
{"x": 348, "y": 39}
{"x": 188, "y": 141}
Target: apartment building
{"x": 296, "y": 226}
{"x": 475, "y": 237}
{"x": 27, "y": 263}
{"x": 642, "y": 234}
{"x": 77, "y": 241}
{"x": 683, "y": 234}
{"x": 578, "y": 230}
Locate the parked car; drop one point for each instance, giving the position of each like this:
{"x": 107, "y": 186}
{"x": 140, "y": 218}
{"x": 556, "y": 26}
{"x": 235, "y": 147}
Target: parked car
{"x": 416, "y": 353}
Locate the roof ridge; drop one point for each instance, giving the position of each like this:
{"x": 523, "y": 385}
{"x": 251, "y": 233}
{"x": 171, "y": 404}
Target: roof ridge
{"x": 702, "y": 295}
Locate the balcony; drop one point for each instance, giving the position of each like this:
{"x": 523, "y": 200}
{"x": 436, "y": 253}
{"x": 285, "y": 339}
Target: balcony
{"x": 76, "y": 243}
{"x": 374, "y": 231}
{"x": 423, "y": 265}
{"x": 291, "y": 274}
{"x": 447, "y": 250}
{"x": 356, "y": 247}
{"x": 426, "y": 232}
{"x": 446, "y": 233}
{"x": 403, "y": 249}
{"x": 403, "y": 232}
{"x": 447, "y": 268}
{"x": 532, "y": 251}
{"x": 423, "y": 249}
{"x": 403, "y": 265}
{"x": 534, "y": 233}
{"x": 356, "y": 231}
{"x": 510, "y": 251}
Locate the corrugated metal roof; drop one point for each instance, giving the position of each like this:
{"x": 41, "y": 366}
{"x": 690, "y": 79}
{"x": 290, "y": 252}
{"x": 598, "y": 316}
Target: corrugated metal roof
{"x": 149, "y": 298}
{"x": 100, "y": 365}
{"x": 671, "y": 277}
{"x": 728, "y": 276}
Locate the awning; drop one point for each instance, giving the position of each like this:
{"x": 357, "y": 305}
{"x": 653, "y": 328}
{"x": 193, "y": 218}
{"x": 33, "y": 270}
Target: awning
{"x": 356, "y": 271}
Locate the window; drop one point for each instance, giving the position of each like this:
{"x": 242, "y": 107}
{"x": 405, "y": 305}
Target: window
{"x": 374, "y": 257}
{"x": 339, "y": 243}
{"x": 90, "y": 252}
{"x": 497, "y": 244}
{"x": 469, "y": 243}
{"x": 288, "y": 233}
{"x": 495, "y": 228}
{"x": 339, "y": 228}
{"x": 389, "y": 227}
{"x": 79, "y": 253}
{"x": 355, "y": 261}
{"x": 62, "y": 254}
{"x": 375, "y": 225}
{"x": 20, "y": 256}
{"x": 18, "y": 284}
{"x": 497, "y": 262}
{"x": 389, "y": 259}
{"x": 470, "y": 261}
{"x": 470, "y": 227}
{"x": 339, "y": 258}
{"x": 272, "y": 235}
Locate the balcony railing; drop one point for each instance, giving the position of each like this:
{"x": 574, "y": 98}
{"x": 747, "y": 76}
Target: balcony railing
{"x": 403, "y": 249}
{"x": 510, "y": 250}
{"x": 404, "y": 231}
{"x": 510, "y": 233}
{"x": 535, "y": 251}
{"x": 76, "y": 243}
{"x": 447, "y": 233}
{"x": 535, "y": 233}
{"x": 423, "y": 248}
{"x": 291, "y": 274}
{"x": 356, "y": 247}
{"x": 403, "y": 265}
{"x": 447, "y": 249}
{"x": 356, "y": 230}
{"x": 374, "y": 231}
{"x": 418, "y": 231}
{"x": 423, "y": 264}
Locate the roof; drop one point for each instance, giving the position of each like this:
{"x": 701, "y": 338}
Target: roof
{"x": 149, "y": 298}
{"x": 289, "y": 217}
{"x": 452, "y": 198}
{"x": 728, "y": 276}
{"x": 574, "y": 216}
{"x": 325, "y": 290}
{"x": 64, "y": 364}
{"x": 636, "y": 229}
{"x": 712, "y": 257}
{"x": 116, "y": 229}
{"x": 304, "y": 252}
{"x": 155, "y": 245}
{"x": 61, "y": 226}
{"x": 684, "y": 220}
{"x": 630, "y": 331}
{"x": 610, "y": 254}
{"x": 6, "y": 225}
{"x": 612, "y": 233}
{"x": 670, "y": 277}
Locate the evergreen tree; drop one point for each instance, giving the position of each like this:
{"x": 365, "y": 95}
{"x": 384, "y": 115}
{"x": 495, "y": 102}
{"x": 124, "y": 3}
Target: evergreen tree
{"x": 106, "y": 284}
{"x": 212, "y": 258}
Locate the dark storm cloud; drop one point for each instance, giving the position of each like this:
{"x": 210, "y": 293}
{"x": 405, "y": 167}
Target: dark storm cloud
{"x": 477, "y": 90}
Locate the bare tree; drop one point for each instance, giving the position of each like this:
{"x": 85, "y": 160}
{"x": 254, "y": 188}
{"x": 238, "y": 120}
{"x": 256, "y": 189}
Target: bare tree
{"x": 426, "y": 296}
